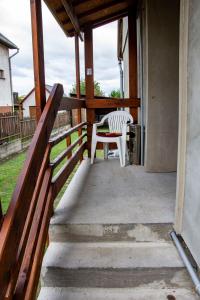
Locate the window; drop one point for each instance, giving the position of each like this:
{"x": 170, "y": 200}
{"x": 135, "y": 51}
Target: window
{"x": 2, "y": 74}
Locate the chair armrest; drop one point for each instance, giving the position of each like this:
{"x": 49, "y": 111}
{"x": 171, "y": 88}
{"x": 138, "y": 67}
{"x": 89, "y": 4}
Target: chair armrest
{"x": 98, "y": 124}
{"x": 95, "y": 125}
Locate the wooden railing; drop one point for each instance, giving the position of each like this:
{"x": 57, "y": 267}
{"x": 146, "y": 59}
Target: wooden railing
{"x": 24, "y": 228}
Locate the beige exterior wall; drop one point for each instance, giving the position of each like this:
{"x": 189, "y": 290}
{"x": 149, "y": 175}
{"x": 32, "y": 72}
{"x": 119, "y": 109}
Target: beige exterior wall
{"x": 162, "y": 52}
{"x": 160, "y": 35}
{"x": 187, "y": 221}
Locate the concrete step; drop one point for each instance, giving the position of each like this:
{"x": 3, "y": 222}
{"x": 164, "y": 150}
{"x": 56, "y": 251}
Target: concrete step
{"x": 142, "y": 293}
{"x": 111, "y": 265}
{"x": 63, "y": 232}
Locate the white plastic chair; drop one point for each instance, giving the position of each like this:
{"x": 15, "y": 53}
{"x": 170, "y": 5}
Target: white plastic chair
{"x": 117, "y": 122}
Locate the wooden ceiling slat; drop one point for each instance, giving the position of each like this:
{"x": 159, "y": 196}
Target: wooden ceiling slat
{"x": 97, "y": 9}
{"x": 75, "y": 15}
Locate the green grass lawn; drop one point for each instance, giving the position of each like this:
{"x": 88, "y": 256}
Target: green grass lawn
{"x": 10, "y": 170}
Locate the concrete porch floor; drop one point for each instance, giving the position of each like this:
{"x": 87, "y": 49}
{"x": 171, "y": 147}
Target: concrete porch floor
{"x": 105, "y": 193}
{"x": 109, "y": 238}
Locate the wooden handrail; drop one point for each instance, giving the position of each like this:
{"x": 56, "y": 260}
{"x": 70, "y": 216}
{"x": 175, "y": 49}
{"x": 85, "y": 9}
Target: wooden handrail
{"x": 54, "y": 141}
{"x": 60, "y": 178}
{"x": 64, "y": 153}
{"x": 14, "y": 221}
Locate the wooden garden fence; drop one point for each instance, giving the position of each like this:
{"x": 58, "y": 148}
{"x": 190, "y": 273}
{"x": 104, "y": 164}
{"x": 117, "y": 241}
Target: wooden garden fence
{"x": 12, "y": 127}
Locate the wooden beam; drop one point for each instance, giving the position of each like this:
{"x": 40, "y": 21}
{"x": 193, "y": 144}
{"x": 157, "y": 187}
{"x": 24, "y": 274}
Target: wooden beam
{"x": 77, "y": 62}
{"x": 132, "y": 47}
{"x": 68, "y": 103}
{"x": 89, "y": 83}
{"x": 73, "y": 18}
{"x": 78, "y": 87}
{"x": 102, "y": 21}
{"x": 115, "y": 103}
{"x": 38, "y": 56}
{"x": 95, "y": 10}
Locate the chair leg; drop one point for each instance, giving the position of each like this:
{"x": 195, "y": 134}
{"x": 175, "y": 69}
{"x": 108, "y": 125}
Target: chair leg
{"x": 93, "y": 150}
{"x": 105, "y": 147}
{"x": 124, "y": 151}
{"x": 120, "y": 152}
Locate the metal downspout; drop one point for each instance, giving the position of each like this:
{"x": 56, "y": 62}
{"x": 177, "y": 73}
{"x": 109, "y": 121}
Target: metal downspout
{"x": 121, "y": 74}
{"x": 186, "y": 261}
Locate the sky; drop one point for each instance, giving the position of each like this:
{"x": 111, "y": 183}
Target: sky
{"x": 15, "y": 24}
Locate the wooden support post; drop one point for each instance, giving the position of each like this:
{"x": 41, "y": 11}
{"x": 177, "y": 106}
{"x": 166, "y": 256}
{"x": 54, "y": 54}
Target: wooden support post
{"x": 78, "y": 88}
{"x": 68, "y": 142}
{"x": 132, "y": 47}
{"x": 89, "y": 82}
{"x": 38, "y": 56}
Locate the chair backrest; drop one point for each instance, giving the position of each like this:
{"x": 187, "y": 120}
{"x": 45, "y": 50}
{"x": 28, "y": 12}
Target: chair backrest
{"x": 117, "y": 119}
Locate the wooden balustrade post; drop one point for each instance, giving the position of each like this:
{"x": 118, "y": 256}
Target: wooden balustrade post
{"x": 38, "y": 56}
{"x": 89, "y": 83}
{"x": 132, "y": 46}
{"x": 68, "y": 142}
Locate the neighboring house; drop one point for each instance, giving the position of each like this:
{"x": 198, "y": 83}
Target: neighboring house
{"x": 28, "y": 103}
{"x": 6, "y": 94}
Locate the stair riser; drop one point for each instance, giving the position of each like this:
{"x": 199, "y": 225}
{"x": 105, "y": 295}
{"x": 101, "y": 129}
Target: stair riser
{"x": 110, "y": 232}
{"x": 115, "y": 278}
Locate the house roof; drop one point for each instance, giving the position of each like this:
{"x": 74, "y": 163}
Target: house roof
{"x": 48, "y": 89}
{"x": 6, "y": 42}
{"x": 75, "y": 15}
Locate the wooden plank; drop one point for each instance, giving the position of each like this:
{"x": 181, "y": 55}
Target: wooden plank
{"x": 89, "y": 82}
{"x": 38, "y": 56}
{"x": 15, "y": 218}
{"x": 94, "y": 10}
{"x": 40, "y": 249}
{"x": 68, "y": 103}
{"x": 64, "y": 153}
{"x": 114, "y": 103}
{"x": 54, "y": 141}
{"x": 73, "y": 18}
{"x": 29, "y": 220}
{"x": 60, "y": 178}
{"x": 33, "y": 237}
{"x": 132, "y": 46}
{"x": 78, "y": 87}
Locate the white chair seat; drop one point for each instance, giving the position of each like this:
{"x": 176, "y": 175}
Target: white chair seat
{"x": 117, "y": 122}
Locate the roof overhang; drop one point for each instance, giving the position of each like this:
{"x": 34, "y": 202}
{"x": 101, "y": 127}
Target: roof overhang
{"x": 6, "y": 42}
{"x": 75, "y": 15}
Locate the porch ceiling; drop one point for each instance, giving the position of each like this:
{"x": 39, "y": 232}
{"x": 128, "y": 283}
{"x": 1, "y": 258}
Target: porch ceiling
{"x": 75, "y": 15}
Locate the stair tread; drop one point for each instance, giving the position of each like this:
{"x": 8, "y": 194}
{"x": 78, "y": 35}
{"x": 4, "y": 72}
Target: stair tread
{"x": 140, "y": 293}
{"x": 112, "y": 255}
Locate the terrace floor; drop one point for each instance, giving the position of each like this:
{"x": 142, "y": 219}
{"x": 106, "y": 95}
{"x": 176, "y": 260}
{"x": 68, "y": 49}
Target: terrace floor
{"x": 109, "y": 238}
{"x": 106, "y": 193}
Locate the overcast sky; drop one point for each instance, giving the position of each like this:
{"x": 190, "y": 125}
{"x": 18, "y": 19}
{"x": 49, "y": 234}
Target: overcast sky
{"x": 15, "y": 24}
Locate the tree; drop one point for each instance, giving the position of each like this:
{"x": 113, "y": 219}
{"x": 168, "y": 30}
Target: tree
{"x": 97, "y": 88}
{"x": 115, "y": 94}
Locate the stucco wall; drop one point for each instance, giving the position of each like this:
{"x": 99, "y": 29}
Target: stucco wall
{"x": 5, "y": 89}
{"x": 191, "y": 203}
{"x": 161, "y": 80}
